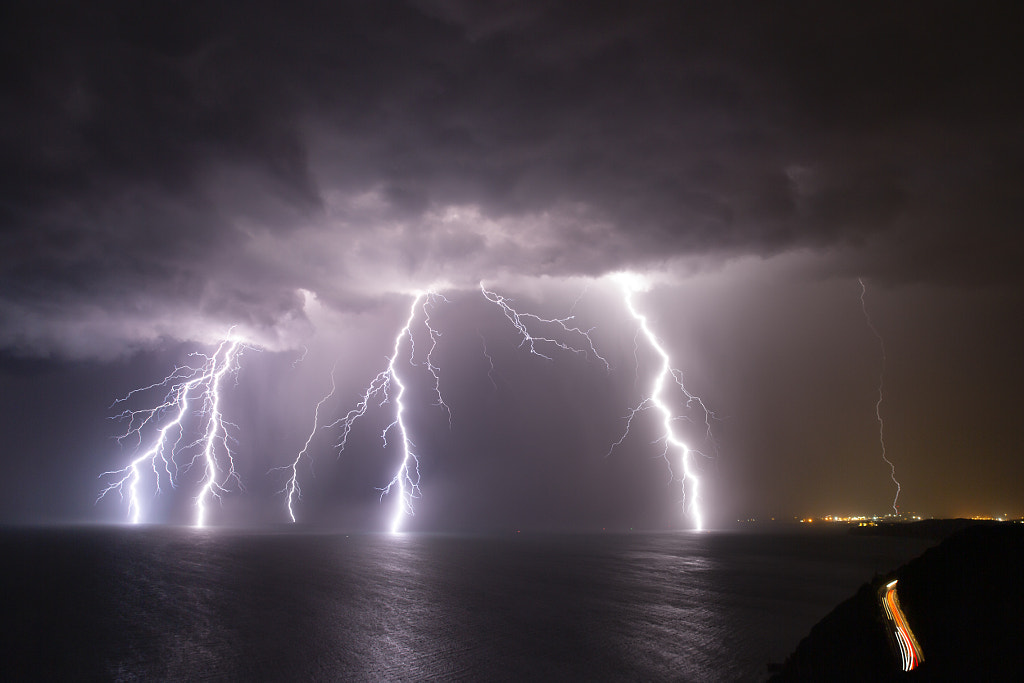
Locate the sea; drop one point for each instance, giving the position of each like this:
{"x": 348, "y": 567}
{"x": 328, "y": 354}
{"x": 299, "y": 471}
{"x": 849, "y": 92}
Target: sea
{"x": 182, "y": 604}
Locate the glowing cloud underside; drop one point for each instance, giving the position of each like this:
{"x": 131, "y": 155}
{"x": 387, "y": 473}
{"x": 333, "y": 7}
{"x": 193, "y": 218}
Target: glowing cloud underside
{"x": 656, "y": 399}
{"x": 878, "y": 403}
{"x": 190, "y": 430}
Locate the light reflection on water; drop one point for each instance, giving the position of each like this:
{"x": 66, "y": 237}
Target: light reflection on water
{"x": 175, "y": 603}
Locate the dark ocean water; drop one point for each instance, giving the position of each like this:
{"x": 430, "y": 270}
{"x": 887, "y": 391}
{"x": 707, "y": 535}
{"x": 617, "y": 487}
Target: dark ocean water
{"x": 183, "y": 604}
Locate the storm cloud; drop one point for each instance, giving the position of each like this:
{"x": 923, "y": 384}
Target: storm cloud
{"x": 170, "y": 170}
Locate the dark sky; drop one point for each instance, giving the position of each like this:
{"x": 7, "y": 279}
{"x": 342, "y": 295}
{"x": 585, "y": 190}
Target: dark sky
{"x": 170, "y": 172}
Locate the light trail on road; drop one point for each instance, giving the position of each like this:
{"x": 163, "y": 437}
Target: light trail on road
{"x": 910, "y": 651}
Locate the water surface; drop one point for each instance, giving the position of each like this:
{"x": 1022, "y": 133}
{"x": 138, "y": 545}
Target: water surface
{"x": 168, "y": 603}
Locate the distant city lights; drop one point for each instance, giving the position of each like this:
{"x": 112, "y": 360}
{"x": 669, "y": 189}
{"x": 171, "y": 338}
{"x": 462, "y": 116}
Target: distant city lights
{"x": 874, "y": 520}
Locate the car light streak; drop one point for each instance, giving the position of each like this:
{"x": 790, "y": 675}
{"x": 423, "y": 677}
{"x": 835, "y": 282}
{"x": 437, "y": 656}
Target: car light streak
{"x": 906, "y": 642}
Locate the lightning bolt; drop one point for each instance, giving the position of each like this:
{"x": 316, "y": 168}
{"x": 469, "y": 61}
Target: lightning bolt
{"x": 407, "y": 477}
{"x": 429, "y": 300}
{"x": 490, "y": 360}
{"x": 878, "y": 403}
{"x": 388, "y": 385}
{"x": 656, "y": 399}
{"x": 186, "y": 385}
{"x": 291, "y": 487}
{"x": 530, "y": 341}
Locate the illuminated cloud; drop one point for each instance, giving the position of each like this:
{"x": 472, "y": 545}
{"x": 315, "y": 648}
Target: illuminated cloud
{"x": 209, "y": 165}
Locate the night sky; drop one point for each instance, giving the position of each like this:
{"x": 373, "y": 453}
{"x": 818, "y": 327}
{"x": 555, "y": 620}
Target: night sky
{"x": 172, "y": 172}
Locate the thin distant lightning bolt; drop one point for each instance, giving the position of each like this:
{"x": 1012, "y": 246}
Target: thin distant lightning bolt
{"x": 878, "y": 404}
{"x": 435, "y": 371}
{"x": 583, "y": 293}
{"x": 656, "y": 400}
{"x": 291, "y": 487}
{"x": 490, "y": 360}
{"x": 388, "y": 385}
{"x": 530, "y": 341}
{"x": 184, "y": 385}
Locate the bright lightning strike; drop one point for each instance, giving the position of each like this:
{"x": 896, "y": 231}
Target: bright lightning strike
{"x": 186, "y": 387}
{"x": 530, "y": 341}
{"x": 407, "y": 477}
{"x": 878, "y": 403}
{"x": 388, "y": 385}
{"x": 656, "y": 399}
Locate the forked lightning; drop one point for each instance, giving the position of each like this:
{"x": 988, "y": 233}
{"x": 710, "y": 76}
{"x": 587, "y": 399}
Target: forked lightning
{"x": 532, "y": 341}
{"x": 193, "y": 394}
{"x": 388, "y": 386}
{"x": 878, "y": 403}
{"x": 656, "y": 399}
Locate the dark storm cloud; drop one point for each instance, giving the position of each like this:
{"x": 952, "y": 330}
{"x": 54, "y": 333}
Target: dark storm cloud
{"x": 204, "y": 163}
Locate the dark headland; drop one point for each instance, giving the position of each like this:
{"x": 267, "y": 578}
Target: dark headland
{"x": 963, "y": 599}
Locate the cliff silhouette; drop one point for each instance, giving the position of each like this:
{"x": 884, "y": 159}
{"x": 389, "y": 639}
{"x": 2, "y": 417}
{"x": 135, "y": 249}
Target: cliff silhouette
{"x": 963, "y": 599}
